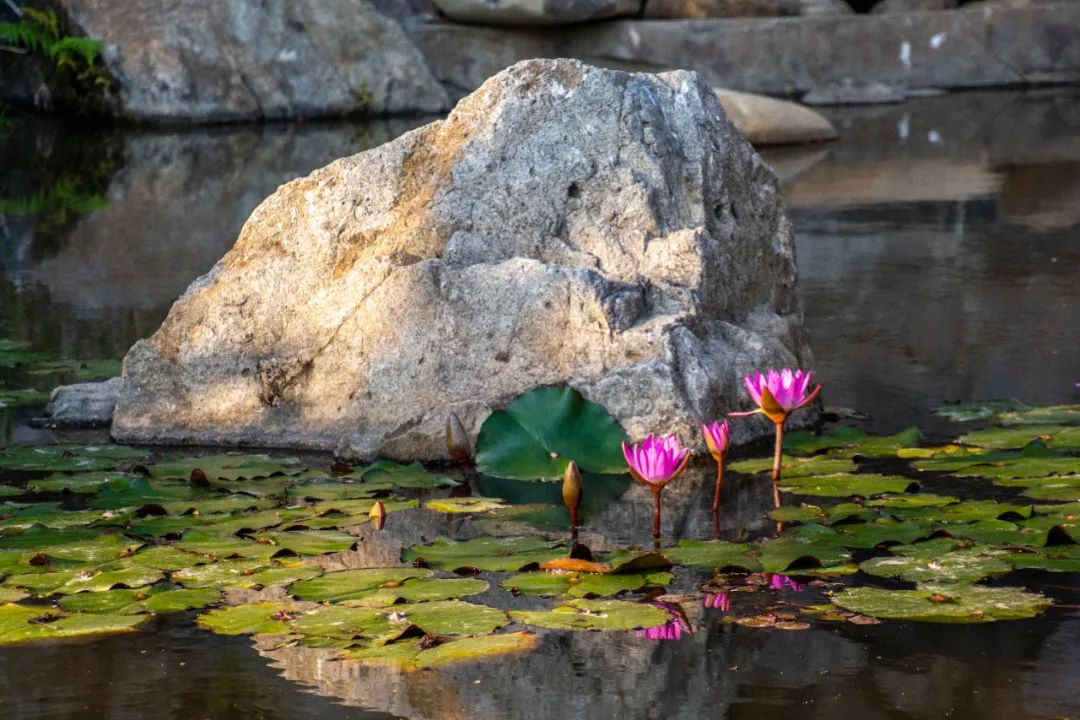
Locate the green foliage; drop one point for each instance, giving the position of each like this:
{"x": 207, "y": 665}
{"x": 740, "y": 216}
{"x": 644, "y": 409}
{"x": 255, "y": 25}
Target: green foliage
{"x": 40, "y": 33}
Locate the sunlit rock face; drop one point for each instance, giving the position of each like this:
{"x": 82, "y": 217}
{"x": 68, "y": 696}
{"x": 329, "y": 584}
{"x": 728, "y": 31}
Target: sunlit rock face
{"x": 565, "y": 224}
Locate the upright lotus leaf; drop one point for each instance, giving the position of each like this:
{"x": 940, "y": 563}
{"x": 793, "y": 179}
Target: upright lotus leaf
{"x": 485, "y": 554}
{"x": 595, "y": 615}
{"x": 88, "y": 482}
{"x": 353, "y": 584}
{"x": 847, "y": 485}
{"x": 542, "y": 430}
{"x": 19, "y": 623}
{"x": 794, "y": 467}
{"x": 454, "y": 618}
{"x": 311, "y": 542}
{"x": 959, "y": 603}
{"x": 160, "y": 599}
{"x": 1017, "y": 436}
{"x": 454, "y": 505}
{"x": 715, "y": 554}
{"x": 958, "y": 566}
{"x": 971, "y": 412}
{"x": 418, "y": 590}
{"x": 67, "y": 458}
{"x": 220, "y": 575}
{"x": 218, "y": 546}
{"x": 270, "y": 618}
{"x": 226, "y": 466}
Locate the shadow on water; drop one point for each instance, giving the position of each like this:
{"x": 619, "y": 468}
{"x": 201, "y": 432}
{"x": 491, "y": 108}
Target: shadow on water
{"x": 937, "y": 249}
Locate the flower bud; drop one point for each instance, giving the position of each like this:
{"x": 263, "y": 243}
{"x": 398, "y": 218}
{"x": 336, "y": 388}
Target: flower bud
{"x": 377, "y": 514}
{"x": 571, "y": 489}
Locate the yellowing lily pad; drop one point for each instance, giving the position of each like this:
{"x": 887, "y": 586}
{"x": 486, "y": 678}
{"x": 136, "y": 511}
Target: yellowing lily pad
{"x": 271, "y": 618}
{"x": 464, "y": 504}
{"x": 594, "y": 615}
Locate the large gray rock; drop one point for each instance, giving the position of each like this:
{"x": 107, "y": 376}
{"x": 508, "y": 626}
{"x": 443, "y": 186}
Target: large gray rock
{"x": 535, "y": 12}
{"x": 699, "y": 9}
{"x": 198, "y": 61}
{"x": 565, "y": 224}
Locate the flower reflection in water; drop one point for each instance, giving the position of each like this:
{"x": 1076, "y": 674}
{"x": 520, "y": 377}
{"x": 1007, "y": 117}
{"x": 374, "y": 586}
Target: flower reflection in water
{"x": 720, "y": 600}
{"x": 783, "y": 582}
{"x": 672, "y": 630}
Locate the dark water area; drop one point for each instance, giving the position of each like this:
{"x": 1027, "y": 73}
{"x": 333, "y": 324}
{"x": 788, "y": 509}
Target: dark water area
{"x": 938, "y": 241}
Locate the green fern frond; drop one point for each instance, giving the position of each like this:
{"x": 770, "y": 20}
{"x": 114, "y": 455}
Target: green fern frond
{"x": 46, "y": 20}
{"x": 66, "y": 50}
{"x": 24, "y": 34}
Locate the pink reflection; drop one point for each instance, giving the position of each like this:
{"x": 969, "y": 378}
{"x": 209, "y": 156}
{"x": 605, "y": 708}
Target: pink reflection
{"x": 671, "y": 630}
{"x": 720, "y": 600}
{"x": 783, "y": 582}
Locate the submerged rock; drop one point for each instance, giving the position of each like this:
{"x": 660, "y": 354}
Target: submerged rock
{"x": 83, "y": 405}
{"x": 197, "y": 61}
{"x": 768, "y": 121}
{"x": 564, "y": 225}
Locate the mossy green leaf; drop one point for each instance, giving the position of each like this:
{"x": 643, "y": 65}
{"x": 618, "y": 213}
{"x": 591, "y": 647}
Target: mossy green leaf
{"x": 594, "y": 615}
{"x": 957, "y": 566}
{"x": 454, "y": 505}
{"x": 160, "y": 599}
{"x": 944, "y": 603}
{"x": 796, "y": 467}
{"x": 848, "y": 485}
{"x": 417, "y": 590}
{"x": 271, "y": 618}
{"x": 311, "y": 542}
{"x": 90, "y": 482}
{"x": 485, "y": 553}
{"x": 225, "y": 466}
{"x": 716, "y": 554}
{"x": 474, "y": 648}
{"x": 353, "y": 584}
{"x": 67, "y": 458}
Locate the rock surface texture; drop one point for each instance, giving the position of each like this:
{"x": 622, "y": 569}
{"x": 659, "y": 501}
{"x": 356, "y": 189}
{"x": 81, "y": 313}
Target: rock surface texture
{"x": 198, "y": 61}
{"x": 535, "y": 12}
{"x": 700, "y": 9}
{"x": 565, "y": 224}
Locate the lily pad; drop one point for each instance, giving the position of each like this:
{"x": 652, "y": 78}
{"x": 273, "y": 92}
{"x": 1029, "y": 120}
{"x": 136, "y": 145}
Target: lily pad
{"x": 851, "y": 442}
{"x": 811, "y": 546}
{"x": 354, "y": 584}
{"x": 415, "y": 475}
{"x": 1056, "y": 558}
{"x": 716, "y": 554}
{"x": 407, "y": 654}
{"x": 225, "y": 466}
{"x": 10, "y": 397}
{"x": 80, "y": 370}
{"x": 543, "y": 430}
{"x": 20, "y": 623}
{"x": 847, "y": 485}
{"x": 270, "y": 618}
{"x": 12, "y": 594}
{"x": 166, "y": 557}
{"x": 485, "y": 553}
{"x": 944, "y": 603}
{"x": 581, "y": 585}
{"x": 89, "y": 482}
{"x": 417, "y": 590}
{"x": 454, "y": 618}
{"x": 958, "y": 566}
{"x": 311, "y": 542}
{"x": 1055, "y": 436}
{"x": 66, "y": 458}
{"x": 884, "y": 531}
{"x": 594, "y": 615}
{"x": 332, "y": 490}
{"x": 17, "y": 352}
{"x": 1063, "y": 489}
{"x": 970, "y": 412}
{"x": 134, "y": 602}
{"x": 796, "y": 467}
{"x": 464, "y": 505}
{"x": 220, "y": 575}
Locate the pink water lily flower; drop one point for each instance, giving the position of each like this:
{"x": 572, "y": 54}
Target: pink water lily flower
{"x": 777, "y": 394}
{"x": 655, "y": 463}
{"x": 717, "y": 439}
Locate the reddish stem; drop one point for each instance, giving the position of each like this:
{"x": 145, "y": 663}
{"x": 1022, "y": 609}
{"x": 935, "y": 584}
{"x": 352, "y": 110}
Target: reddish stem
{"x": 656, "y": 514}
{"x": 776, "y": 463}
{"x": 719, "y": 484}
{"x": 573, "y": 524}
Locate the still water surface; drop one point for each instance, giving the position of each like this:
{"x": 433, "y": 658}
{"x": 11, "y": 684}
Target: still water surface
{"x": 938, "y": 244}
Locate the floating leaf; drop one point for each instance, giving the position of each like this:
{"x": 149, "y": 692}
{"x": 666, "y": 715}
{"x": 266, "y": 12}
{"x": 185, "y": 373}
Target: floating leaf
{"x": 331, "y": 490}
{"x": 1055, "y": 436}
{"x": 716, "y": 554}
{"x": 220, "y": 575}
{"x": 17, "y": 352}
{"x": 851, "y": 442}
{"x": 454, "y": 618}
{"x": 218, "y": 546}
{"x": 226, "y": 466}
{"x": 472, "y": 648}
{"x": 270, "y": 618}
{"x": 353, "y": 584}
{"x": 79, "y": 483}
{"x": 595, "y": 615}
{"x": 1056, "y": 558}
{"x": 80, "y": 370}
{"x": 958, "y": 566}
{"x": 878, "y": 532}
{"x": 20, "y": 623}
{"x": 970, "y": 412}
{"x": 1064, "y": 489}
{"x": 542, "y": 430}
{"x": 23, "y": 396}
{"x": 417, "y": 590}
{"x": 464, "y": 504}
{"x": 311, "y": 542}
{"x": 107, "y": 577}
{"x": 134, "y": 602}
{"x": 166, "y": 557}
{"x": 66, "y": 458}
{"x": 811, "y": 546}
{"x": 485, "y": 554}
{"x": 337, "y": 625}
{"x": 580, "y": 585}
{"x": 415, "y": 475}
{"x": 794, "y": 467}
{"x": 12, "y": 594}
{"x": 944, "y": 603}
{"x": 846, "y": 485}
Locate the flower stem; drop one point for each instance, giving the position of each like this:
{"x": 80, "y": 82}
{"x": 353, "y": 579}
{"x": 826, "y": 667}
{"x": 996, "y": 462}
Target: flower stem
{"x": 719, "y": 483}
{"x": 656, "y": 514}
{"x": 776, "y": 463}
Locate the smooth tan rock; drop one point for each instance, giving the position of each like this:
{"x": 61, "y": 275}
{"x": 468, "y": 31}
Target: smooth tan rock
{"x": 535, "y": 12}
{"x": 701, "y": 9}
{"x": 564, "y": 225}
{"x": 768, "y": 121}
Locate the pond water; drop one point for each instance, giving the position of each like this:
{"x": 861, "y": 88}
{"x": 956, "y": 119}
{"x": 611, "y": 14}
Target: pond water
{"x": 938, "y": 250}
